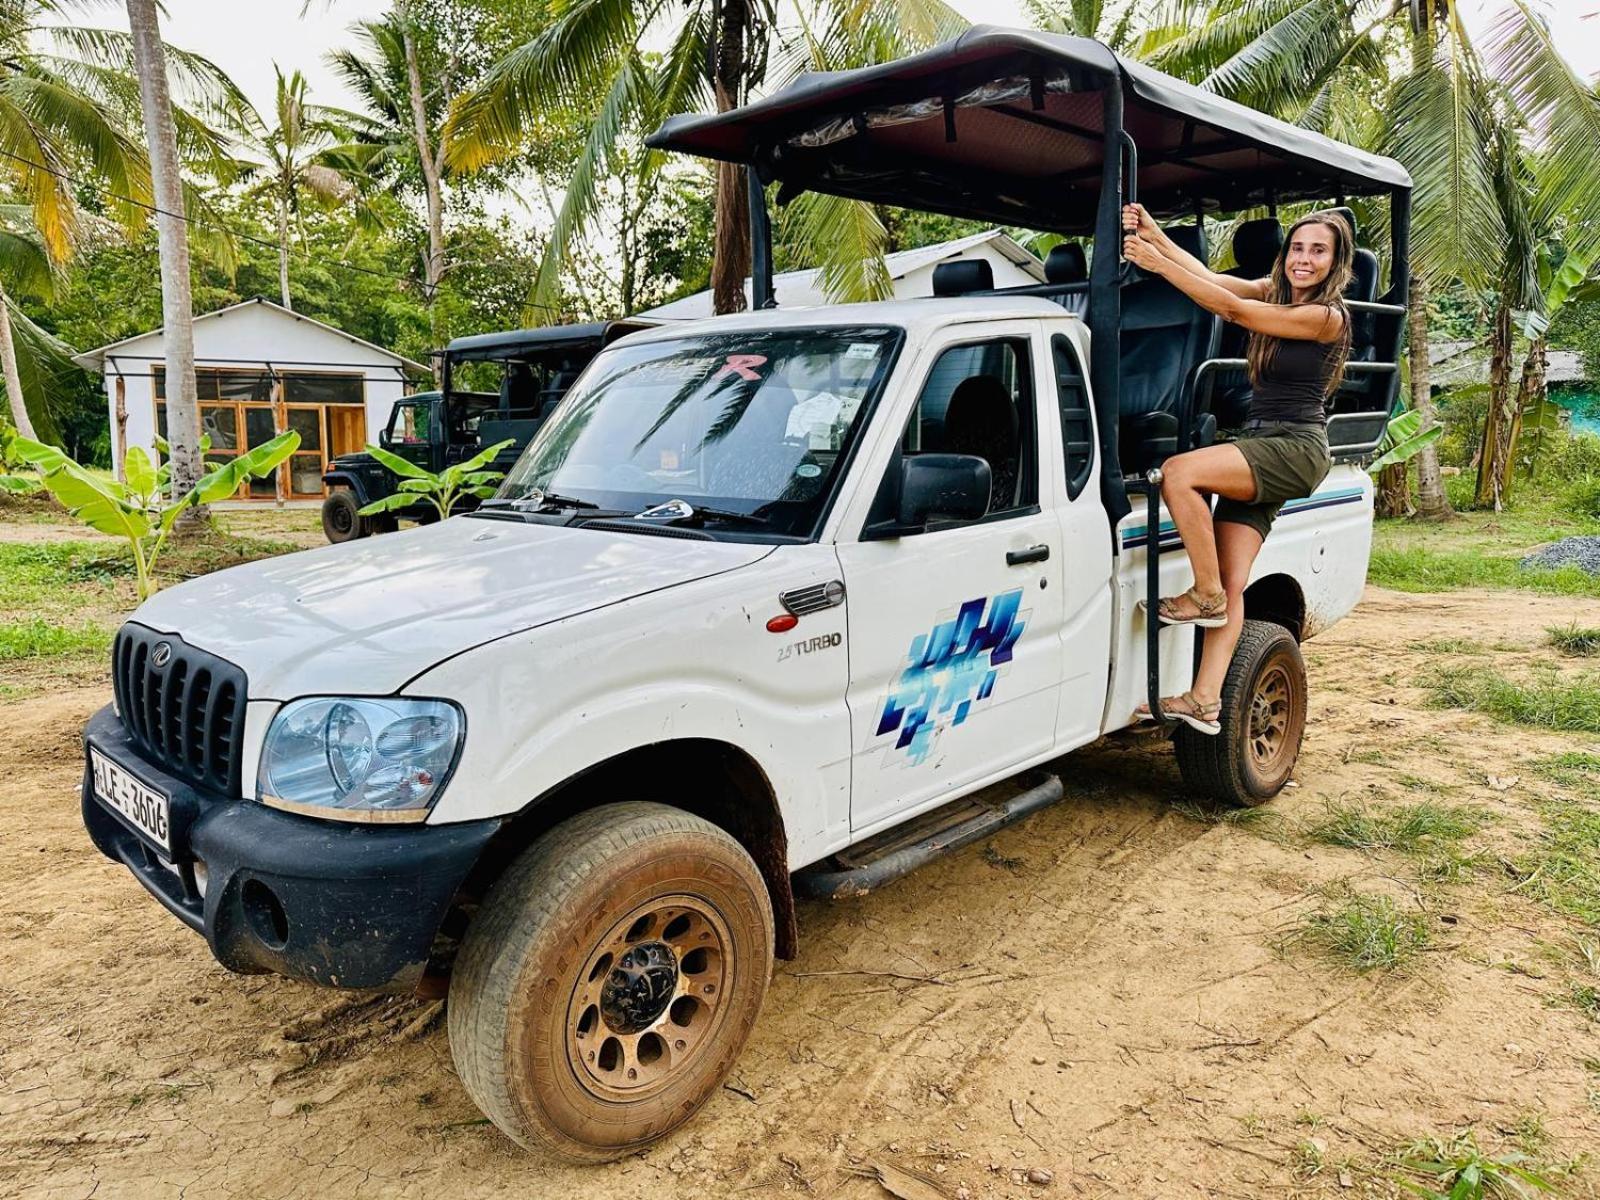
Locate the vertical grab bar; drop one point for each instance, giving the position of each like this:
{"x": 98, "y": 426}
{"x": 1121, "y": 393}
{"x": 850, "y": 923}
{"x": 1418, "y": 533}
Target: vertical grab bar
{"x": 1152, "y": 575}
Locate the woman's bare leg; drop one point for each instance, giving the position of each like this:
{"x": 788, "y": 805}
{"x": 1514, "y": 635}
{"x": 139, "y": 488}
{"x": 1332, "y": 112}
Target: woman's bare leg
{"x": 1237, "y": 547}
{"x": 1186, "y": 481}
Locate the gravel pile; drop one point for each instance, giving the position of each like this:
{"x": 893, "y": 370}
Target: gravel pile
{"x": 1581, "y": 552}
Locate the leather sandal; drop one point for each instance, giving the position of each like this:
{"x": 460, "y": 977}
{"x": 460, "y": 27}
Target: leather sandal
{"x": 1210, "y": 612}
{"x": 1206, "y": 718}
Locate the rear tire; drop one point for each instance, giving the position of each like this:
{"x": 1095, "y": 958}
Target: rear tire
{"x": 610, "y": 979}
{"x": 1263, "y": 722}
{"x": 341, "y": 517}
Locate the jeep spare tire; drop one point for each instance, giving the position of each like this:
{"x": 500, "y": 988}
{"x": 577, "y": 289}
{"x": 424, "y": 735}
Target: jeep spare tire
{"x": 610, "y": 979}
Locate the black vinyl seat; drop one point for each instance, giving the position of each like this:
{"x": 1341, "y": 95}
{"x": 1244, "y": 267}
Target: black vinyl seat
{"x": 1067, "y": 263}
{"x": 1256, "y": 245}
{"x": 1358, "y": 388}
{"x": 982, "y": 419}
{"x": 1165, "y": 336}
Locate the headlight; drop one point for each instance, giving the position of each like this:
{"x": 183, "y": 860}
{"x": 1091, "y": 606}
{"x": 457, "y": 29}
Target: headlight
{"x": 359, "y": 759}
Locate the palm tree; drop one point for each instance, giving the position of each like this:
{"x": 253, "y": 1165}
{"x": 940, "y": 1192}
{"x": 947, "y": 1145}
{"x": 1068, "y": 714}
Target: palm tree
{"x": 309, "y": 150}
{"x": 1293, "y": 57}
{"x": 718, "y": 52}
{"x": 177, "y": 305}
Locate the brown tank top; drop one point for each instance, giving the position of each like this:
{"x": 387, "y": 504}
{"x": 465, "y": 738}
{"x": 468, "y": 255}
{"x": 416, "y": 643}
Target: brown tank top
{"x": 1294, "y": 383}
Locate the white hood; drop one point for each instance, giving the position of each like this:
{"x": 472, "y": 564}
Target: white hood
{"x": 364, "y": 617}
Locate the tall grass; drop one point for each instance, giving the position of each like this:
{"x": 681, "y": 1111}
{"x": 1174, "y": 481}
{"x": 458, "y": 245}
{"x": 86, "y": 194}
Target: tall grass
{"x": 1408, "y": 829}
{"x": 1367, "y": 933}
{"x": 1547, "y": 701}
{"x": 37, "y": 638}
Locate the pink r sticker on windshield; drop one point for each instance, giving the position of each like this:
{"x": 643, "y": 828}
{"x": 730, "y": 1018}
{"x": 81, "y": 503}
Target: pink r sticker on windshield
{"x": 742, "y": 365}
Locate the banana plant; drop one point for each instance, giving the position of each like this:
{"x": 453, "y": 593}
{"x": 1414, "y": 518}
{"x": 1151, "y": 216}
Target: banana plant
{"x": 14, "y": 484}
{"x": 418, "y": 486}
{"x": 1402, "y": 441}
{"x": 139, "y": 509}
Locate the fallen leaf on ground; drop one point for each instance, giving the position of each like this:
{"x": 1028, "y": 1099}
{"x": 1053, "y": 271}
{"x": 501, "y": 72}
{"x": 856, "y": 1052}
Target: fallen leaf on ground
{"x": 901, "y": 1182}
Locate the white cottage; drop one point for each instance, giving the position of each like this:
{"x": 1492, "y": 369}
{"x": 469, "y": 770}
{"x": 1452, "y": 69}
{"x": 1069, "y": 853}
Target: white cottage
{"x": 260, "y": 369}
{"x": 910, "y": 274}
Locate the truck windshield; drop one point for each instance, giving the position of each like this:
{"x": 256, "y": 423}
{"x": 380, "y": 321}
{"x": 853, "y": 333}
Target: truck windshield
{"x": 752, "y": 423}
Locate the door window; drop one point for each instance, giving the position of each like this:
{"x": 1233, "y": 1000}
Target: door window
{"x": 978, "y": 399}
{"x": 1077, "y": 430}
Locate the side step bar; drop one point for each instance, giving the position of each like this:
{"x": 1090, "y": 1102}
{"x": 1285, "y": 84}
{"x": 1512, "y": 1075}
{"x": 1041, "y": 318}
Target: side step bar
{"x": 1150, "y": 487}
{"x": 879, "y": 860}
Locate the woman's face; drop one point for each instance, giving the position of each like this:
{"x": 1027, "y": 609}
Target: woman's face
{"x": 1309, "y": 256}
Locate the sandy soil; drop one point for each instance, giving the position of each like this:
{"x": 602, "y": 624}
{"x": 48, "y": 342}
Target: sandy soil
{"x": 1108, "y": 991}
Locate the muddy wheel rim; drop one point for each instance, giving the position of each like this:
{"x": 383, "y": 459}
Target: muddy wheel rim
{"x": 649, "y": 998}
{"x": 341, "y": 518}
{"x": 1271, "y": 708}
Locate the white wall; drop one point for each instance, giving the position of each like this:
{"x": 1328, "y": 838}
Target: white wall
{"x": 254, "y": 334}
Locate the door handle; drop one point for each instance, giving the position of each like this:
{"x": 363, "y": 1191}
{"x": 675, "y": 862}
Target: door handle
{"x": 1033, "y": 554}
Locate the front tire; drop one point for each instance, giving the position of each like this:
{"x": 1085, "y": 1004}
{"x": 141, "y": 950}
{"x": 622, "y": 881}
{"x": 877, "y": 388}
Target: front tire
{"x": 610, "y": 979}
{"x": 1263, "y": 722}
{"x": 341, "y": 517}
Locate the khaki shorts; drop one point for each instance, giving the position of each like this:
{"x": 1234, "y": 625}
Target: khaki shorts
{"x": 1287, "y": 461}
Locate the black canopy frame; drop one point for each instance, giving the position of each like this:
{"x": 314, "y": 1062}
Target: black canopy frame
{"x": 1012, "y": 126}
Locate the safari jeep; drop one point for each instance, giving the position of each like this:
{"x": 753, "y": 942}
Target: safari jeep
{"x": 778, "y": 604}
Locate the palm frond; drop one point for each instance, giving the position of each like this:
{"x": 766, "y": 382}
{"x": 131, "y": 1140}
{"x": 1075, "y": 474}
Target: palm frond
{"x": 1562, "y": 112}
{"x": 846, "y": 241}
{"x": 1438, "y": 129}
{"x": 577, "y": 57}
{"x": 581, "y": 198}
{"x": 1288, "y": 60}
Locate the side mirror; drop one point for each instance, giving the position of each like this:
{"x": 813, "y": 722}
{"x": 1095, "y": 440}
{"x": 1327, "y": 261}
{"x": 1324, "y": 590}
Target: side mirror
{"x": 955, "y": 486}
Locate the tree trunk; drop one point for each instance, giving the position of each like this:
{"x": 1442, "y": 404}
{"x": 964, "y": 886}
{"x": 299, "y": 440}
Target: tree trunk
{"x": 1530, "y": 392}
{"x": 283, "y": 255}
{"x": 177, "y": 306}
{"x": 1432, "y": 503}
{"x": 1393, "y": 497}
{"x": 1496, "y": 447}
{"x": 433, "y": 264}
{"x": 13, "y": 377}
{"x": 730, "y": 263}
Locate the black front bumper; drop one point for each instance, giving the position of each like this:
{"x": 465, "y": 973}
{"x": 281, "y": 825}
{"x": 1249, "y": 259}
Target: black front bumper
{"x": 345, "y": 905}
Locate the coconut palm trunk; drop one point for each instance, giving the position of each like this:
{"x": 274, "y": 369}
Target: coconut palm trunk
{"x": 429, "y": 158}
{"x": 1432, "y": 503}
{"x": 13, "y": 377}
{"x": 177, "y": 306}
{"x": 283, "y": 253}
{"x": 1495, "y": 449}
{"x": 731, "y": 260}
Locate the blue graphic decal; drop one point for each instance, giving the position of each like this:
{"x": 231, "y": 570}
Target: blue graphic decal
{"x": 948, "y": 670}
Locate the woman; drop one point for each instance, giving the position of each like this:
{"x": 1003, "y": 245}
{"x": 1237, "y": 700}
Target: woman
{"x": 1299, "y": 343}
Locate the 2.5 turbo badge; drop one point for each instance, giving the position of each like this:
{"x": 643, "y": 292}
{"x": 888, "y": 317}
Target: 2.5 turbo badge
{"x": 825, "y": 641}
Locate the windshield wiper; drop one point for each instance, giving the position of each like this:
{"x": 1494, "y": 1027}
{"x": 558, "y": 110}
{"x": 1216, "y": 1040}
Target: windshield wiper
{"x": 681, "y": 512}
{"x": 537, "y": 501}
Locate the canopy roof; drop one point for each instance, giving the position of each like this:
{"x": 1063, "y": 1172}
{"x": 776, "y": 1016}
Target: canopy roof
{"x": 531, "y": 343}
{"x": 1006, "y": 125}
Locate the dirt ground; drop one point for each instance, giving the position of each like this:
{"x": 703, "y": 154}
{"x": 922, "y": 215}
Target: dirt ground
{"x": 1111, "y": 991}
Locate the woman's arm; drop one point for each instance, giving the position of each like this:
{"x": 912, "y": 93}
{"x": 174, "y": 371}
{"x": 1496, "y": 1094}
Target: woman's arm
{"x": 1136, "y": 220}
{"x": 1308, "y": 322}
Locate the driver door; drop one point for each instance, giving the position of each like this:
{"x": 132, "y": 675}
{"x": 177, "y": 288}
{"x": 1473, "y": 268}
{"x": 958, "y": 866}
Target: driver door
{"x": 954, "y": 630}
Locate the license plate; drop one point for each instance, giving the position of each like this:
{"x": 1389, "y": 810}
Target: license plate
{"x": 144, "y": 809}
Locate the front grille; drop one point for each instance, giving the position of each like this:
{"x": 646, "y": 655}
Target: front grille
{"x": 186, "y": 714}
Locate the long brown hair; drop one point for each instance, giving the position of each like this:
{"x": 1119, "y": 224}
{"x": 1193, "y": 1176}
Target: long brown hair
{"x": 1329, "y": 293}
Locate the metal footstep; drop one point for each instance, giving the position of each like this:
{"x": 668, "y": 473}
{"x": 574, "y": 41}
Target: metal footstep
{"x": 869, "y": 865}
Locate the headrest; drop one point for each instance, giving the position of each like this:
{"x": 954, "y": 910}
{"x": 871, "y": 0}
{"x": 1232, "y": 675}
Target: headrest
{"x": 1256, "y": 245}
{"x": 980, "y": 412}
{"x": 1066, "y": 263}
{"x": 961, "y": 276}
{"x": 1191, "y": 238}
{"x": 1349, "y": 215}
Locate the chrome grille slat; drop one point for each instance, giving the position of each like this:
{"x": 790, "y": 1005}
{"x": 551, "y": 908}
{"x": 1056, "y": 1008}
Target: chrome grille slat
{"x": 185, "y": 715}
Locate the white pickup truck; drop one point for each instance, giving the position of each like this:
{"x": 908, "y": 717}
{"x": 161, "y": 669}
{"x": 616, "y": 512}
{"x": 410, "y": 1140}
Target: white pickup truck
{"x": 775, "y": 604}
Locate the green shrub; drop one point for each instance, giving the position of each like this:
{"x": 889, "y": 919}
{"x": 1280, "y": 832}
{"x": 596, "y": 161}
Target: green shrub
{"x": 1581, "y": 497}
{"x": 1574, "y": 641}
